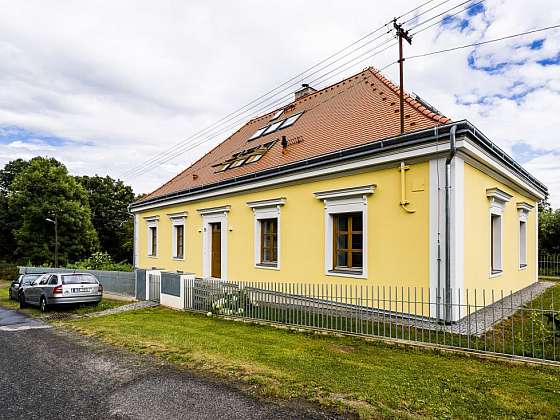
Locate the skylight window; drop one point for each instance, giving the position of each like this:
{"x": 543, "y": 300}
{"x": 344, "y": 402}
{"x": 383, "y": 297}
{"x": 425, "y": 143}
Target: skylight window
{"x": 273, "y": 127}
{"x": 254, "y": 158}
{"x": 291, "y": 120}
{"x": 257, "y": 133}
{"x": 237, "y": 163}
{"x": 277, "y": 115}
{"x": 279, "y": 125}
{"x": 245, "y": 157}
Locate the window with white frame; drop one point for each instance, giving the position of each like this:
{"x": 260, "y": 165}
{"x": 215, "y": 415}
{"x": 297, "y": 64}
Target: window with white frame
{"x": 522, "y": 244}
{"x": 497, "y": 199}
{"x": 496, "y": 243}
{"x": 267, "y": 232}
{"x": 346, "y": 230}
{"x": 178, "y": 235}
{"x": 523, "y": 210}
{"x": 152, "y": 225}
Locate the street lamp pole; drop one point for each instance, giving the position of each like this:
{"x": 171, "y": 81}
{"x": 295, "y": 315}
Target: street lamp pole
{"x": 55, "y": 221}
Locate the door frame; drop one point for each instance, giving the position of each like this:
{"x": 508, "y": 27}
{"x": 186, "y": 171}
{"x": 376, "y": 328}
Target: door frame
{"x": 214, "y": 217}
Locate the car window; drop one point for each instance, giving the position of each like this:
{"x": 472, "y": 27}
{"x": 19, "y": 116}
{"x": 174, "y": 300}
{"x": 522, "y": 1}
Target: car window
{"x": 18, "y": 280}
{"x": 78, "y": 279}
{"x": 44, "y": 280}
{"x": 53, "y": 280}
{"x": 28, "y": 278}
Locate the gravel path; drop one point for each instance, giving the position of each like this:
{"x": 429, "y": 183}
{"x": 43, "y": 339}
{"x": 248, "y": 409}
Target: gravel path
{"x": 482, "y": 320}
{"x": 123, "y": 308}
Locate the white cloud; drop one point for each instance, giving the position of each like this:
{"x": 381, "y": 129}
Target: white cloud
{"x": 126, "y": 80}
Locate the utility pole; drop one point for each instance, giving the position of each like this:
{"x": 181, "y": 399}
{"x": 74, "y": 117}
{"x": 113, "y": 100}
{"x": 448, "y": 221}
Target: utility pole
{"x": 401, "y": 33}
{"x": 55, "y": 221}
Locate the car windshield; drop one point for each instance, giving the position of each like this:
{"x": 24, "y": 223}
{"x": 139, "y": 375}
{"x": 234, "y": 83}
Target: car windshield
{"x": 78, "y": 279}
{"x": 28, "y": 278}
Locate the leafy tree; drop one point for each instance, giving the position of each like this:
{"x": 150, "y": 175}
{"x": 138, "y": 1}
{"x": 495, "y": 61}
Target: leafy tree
{"x": 44, "y": 189}
{"x": 8, "y": 174}
{"x": 8, "y": 218}
{"x": 108, "y": 201}
{"x": 549, "y": 231}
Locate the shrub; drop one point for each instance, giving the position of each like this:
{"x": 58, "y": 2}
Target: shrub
{"x": 101, "y": 261}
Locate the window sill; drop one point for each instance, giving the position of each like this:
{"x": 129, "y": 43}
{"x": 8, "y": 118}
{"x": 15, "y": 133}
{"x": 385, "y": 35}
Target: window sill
{"x": 346, "y": 273}
{"x": 523, "y": 267}
{"x": 267, "y": 266}
{"x": 153, "y": 256}
{"x": 496, "y": 273}
{"x": 178, "y": 258}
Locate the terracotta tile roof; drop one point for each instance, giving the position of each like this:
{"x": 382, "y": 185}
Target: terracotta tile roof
{"x": 357, "y": 110}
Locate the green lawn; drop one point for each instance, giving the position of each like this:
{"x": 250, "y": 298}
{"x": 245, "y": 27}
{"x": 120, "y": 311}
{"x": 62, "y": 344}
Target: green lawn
{"x": 371, "y": 378}
{"x": 70, "y": 310}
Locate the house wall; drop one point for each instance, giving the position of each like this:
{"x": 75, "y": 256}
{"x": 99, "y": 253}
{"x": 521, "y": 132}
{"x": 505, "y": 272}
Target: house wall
{"x": 397, "y": 243}
{"x": 477, "y": 240}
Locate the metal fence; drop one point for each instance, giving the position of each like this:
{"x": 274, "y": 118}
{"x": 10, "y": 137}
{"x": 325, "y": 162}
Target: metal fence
{"x": 524, "y": 324}
{"x": 549, "y": 266}
{"x": 120, "y": 282}
{"x": 8, "y": 271}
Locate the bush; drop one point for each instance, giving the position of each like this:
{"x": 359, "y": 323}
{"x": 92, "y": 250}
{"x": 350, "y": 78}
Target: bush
{"x": 101, "y": 261}
{"x": 237, "y": 302}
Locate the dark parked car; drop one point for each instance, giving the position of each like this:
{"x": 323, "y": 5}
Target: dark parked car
{"x": 62, "y": 288}
{"x": 19, "y": 283}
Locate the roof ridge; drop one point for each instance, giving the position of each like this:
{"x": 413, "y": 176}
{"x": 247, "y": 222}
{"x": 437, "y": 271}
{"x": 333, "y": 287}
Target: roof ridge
{"x": 408, "y": 98}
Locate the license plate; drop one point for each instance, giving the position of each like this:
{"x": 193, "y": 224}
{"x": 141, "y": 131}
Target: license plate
{"x": 84, "y": 290}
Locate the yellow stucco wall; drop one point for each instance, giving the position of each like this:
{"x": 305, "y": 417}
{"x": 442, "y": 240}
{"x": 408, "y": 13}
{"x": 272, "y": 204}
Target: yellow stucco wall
{"x": 398, "y": 251}
{"x": 477, "y": 239}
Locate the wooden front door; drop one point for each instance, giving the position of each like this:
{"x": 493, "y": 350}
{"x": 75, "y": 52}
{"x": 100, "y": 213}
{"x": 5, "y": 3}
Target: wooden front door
{"x": 216, "y": 261}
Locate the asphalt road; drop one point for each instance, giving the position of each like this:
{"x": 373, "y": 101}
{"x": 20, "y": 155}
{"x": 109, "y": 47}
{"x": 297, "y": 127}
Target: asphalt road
{"x": 48, "y": 373}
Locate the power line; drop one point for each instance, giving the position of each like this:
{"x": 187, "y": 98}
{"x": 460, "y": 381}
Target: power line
{"x": 233, "y": 119}
{"x": 181, "y": 149}
{"x": 177, "y": 148}
{"x": 225, "y": 119}
{"x": 476, "y": 44}
{"x": 445, "y": 17}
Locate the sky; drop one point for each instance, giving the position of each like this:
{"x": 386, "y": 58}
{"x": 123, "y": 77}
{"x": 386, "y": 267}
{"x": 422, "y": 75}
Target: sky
{"x": 105, "y": 86}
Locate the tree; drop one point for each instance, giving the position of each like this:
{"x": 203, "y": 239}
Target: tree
{"x": 8, "y": 219}
{"x": 108, "y": 201}
{"x": 44, "y": 189}
{"x": 549, "y": 231}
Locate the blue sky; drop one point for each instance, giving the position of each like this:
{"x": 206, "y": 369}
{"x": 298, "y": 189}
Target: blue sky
{"x": 104, "y": 90}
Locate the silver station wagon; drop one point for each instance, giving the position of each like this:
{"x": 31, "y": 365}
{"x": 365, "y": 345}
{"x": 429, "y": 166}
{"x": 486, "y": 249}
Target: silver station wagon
{"x": 61, "y": 289}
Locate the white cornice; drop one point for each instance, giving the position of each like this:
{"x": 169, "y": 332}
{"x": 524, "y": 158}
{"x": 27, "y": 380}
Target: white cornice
{"x": 498, "y": 195}
{"x": 346, "y": 192}
{"x": 523, "y": 206}
{"x": 214, "y": 210}
{"x": 179, "y": 215}
{"x": 151, "y": 218}
{"x": 273, "y": 202}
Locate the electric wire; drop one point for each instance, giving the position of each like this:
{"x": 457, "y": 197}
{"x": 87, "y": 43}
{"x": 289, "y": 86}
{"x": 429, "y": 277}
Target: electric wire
{"x": 189, "y": 143}
{"x": 201, "y": 132}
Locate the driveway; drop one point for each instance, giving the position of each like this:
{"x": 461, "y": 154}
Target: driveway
{"x": 55, "y": 374}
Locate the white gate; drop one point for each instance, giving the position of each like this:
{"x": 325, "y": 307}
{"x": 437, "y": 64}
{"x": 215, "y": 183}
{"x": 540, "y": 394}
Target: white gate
{"x": 153, "y": 285}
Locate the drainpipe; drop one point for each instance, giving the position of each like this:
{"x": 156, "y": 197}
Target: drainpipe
{"x": 452, "y": 152}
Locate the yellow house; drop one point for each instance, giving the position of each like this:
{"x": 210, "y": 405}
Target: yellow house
{"x": 326, "y": 190}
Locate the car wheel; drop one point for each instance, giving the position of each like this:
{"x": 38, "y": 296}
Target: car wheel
{"x": 43, "y": 304}
{"x": 22, "y": 303}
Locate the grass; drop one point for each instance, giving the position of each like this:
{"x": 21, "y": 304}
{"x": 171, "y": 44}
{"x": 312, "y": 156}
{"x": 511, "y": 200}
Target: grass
{"x": 68, "y": 310}
{"x": 374, "y": 379}
{"x": 528, "y": 333}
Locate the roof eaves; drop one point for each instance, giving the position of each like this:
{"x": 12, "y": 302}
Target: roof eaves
{"x": 388, "y": 144}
